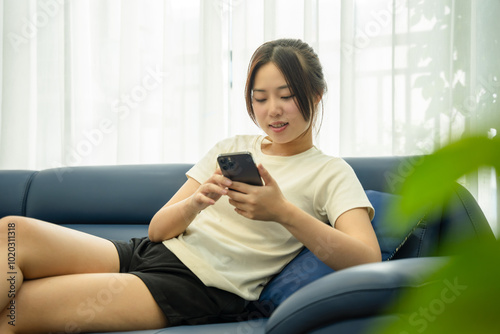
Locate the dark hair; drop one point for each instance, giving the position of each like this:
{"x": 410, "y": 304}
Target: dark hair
{"x": 301, "y": 68}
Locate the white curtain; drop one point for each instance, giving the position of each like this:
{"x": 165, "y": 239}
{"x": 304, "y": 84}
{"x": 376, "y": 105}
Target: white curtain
{"x": 93, "y": 82}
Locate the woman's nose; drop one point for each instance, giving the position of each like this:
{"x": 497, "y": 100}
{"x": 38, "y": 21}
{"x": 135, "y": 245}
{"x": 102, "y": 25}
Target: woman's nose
{"x": 275, "y": 107}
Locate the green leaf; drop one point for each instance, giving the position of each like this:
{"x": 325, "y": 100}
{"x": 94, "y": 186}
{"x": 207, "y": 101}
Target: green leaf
{"x": 461, "y": 297}
{"x": 433, "y": 179}
{"x": 464, "y": 295}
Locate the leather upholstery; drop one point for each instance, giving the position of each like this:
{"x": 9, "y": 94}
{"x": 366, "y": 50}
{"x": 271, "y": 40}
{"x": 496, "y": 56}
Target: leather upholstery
{"x": 14, "y": 186}
{"x": 103, "y": 195}
{"x": 117, "y": 202}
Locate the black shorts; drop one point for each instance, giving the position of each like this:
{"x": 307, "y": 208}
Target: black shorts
{"x": 182, "y": 297}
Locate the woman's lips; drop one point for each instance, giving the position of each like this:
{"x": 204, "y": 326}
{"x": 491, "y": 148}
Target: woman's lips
{"x": 278, "y": 126}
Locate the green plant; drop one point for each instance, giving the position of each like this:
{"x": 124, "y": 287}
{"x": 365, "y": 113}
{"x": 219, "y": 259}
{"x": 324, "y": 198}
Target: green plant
{"x": 464, "y": 296}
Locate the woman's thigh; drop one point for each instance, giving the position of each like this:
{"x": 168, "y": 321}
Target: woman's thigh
{"x": 82, "y": 303}
{"x": 43, "y": 249}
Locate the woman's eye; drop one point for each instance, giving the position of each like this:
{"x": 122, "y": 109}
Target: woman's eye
{"x": 259, "y": 100}
{"x": 287, "y": 97}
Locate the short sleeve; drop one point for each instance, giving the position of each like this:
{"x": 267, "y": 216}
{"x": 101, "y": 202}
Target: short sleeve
{"x": 207, "y": 165}
{"x": 340, "y": 191}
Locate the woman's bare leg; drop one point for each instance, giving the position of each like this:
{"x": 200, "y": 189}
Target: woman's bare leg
{"x": 31, "y": 249}
{"x": 36, "y": 256}
{"x": 82, "y": 303}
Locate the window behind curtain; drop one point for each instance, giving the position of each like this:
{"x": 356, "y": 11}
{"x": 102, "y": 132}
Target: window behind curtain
{"x": 118, "y": 82}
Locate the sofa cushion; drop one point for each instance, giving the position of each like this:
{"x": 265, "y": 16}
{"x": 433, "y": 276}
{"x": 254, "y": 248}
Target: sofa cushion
{"x": 302, "y": 270}
{"x": 391, "y": 228}
{"x": 306, "y": 267}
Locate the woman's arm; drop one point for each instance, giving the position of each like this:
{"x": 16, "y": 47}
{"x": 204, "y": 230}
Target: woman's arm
{"x": 351, "y": 242}
{"x": 175, "y": 216}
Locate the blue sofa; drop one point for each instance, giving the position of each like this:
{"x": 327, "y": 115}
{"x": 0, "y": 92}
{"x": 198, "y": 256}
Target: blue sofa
{"x": 117, "y": 202}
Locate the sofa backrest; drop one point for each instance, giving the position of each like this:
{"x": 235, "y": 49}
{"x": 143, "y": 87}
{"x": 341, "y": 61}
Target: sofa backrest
{"x": 132, "y": 195}
{"x": 14, "y": 186}
{"x": 91, "y": 195}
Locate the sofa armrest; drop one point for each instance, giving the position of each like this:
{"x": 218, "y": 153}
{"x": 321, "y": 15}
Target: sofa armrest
{"x": 356, "y": 292}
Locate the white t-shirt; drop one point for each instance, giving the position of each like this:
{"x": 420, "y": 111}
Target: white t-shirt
{"x": 230, "y": 252}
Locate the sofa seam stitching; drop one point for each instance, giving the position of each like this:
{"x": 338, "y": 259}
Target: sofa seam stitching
{"x": 27, "y": 188}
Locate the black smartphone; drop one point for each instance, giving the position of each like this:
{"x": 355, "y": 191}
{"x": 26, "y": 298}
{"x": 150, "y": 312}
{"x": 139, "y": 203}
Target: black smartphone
{"x": 240, "y": 167}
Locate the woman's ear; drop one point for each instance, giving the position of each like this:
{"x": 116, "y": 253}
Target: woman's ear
{"x": 318, "y": 99}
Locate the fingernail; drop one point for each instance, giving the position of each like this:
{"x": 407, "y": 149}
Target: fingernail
{"x": 227, "y": 182}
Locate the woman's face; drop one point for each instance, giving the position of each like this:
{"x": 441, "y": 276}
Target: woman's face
{"x": 276, "y": 111}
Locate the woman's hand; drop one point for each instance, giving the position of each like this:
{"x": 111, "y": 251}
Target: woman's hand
{"x": 259, "y": 202}
{"x": 351, "y": 242}
{"x": 210, "y": 191}
{"x": 175, "y": 216}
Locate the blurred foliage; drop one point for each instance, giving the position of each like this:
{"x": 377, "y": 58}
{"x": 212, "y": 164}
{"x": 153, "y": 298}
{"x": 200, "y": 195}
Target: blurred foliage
{"x": 463, "y": 296}
{"x": 433, "y": 179}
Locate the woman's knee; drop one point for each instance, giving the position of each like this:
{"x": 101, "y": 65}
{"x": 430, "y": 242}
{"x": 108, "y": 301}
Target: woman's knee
{"x": 8, "y": 219}
{"x": 9, "y": 225}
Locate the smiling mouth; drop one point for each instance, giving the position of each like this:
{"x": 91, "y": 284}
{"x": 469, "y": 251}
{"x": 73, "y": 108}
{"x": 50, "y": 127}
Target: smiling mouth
{"x": 278, "y": 125}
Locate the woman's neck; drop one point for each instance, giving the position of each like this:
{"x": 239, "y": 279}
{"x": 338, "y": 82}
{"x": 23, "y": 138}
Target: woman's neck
{"x": 297, "y": 146}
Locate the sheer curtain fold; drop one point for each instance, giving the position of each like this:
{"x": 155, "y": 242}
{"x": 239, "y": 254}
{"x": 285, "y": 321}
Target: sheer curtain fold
{"x": 122, "y": 82}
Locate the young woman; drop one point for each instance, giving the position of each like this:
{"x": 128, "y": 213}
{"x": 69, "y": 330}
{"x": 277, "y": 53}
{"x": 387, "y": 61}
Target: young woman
{"x": 216, "y": 243}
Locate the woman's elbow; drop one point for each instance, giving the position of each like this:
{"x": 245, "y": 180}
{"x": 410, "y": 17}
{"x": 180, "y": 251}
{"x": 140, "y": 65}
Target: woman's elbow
{"x": 156, "y": 235}
{"x": 375, "y": 255}
{"x": 370, "y": 255}
{"x": 152, "y": 236}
